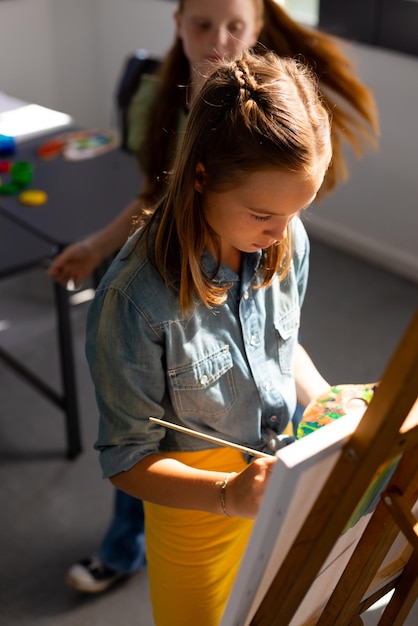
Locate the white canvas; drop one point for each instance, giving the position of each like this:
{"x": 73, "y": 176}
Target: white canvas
{"x": 295, "y": 483}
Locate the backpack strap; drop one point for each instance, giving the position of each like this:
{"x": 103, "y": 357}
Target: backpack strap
{"x": 134, "y": 68}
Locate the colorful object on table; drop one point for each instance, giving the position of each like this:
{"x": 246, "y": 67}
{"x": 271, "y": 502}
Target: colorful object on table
{"x": 51, "y": 149}
{"x": 330, "y": 406}
{"x": 88, "y": 144}
{"x": 33, "y": 197}
{"x": 80, "y": 145}
{"x": 20, "y": 177}
{"x": 5, "y": 166}
{"x": 21, "y": 173}
{"x": 7, "y": 145}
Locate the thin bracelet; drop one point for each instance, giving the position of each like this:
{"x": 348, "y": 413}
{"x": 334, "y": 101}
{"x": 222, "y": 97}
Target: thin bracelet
{"x": 222, "y": 484}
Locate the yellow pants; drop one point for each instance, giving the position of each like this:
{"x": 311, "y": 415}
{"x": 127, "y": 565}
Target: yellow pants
{"x": 193, "y": 557}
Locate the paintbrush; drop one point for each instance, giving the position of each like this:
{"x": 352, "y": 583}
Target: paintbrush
{"x": 221, "y": 442}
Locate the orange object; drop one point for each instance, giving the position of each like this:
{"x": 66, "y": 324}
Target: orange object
{"x": 51, "y": 149}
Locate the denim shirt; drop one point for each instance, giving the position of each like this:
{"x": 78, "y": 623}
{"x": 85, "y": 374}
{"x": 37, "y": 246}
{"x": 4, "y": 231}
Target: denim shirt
{"x": 225, "y": 371}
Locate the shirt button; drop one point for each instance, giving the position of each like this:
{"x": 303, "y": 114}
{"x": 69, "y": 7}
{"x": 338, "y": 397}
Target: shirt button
{"x": 204, "y": 380}
{"x": 267, "y": 387}
{"x": 253, "y": 340}
{"x": 273, "y": 419}
{"x": 245, "y": 295}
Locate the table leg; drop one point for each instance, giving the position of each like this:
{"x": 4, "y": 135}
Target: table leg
{"x": 69, "y": 399}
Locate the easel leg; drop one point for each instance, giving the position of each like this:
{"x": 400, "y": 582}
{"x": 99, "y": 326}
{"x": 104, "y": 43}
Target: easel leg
{"x": 404, "y": 596}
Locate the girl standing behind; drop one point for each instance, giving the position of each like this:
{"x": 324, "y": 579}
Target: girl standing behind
{"x": 197, "y": 321}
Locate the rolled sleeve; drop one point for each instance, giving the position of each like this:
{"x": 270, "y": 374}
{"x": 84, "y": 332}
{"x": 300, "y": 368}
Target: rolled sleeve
{"x": 122, "y": 350}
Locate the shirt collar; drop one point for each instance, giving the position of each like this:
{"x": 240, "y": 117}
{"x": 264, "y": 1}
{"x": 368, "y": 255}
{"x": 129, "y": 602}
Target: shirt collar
{"x": 225, "y": 275}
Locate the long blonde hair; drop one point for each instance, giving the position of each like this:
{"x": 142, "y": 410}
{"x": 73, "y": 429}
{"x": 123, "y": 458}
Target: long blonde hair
{"x": 254, "y": 113}
{"x": 354, "y": 112}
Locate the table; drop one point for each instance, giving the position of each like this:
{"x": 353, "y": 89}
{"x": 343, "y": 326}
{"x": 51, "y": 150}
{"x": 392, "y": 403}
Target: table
{"x": 83, "y": 196}
{"x": 21, "y": 251}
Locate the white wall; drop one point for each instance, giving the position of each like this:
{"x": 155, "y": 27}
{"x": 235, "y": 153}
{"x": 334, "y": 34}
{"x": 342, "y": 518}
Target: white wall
{"x": 26, "y": 50}
{"x": 375, "y": 213}
{"x": 67, "y": 54}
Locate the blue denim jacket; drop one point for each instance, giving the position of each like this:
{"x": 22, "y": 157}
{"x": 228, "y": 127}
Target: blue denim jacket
{"x": 226, "y": 371}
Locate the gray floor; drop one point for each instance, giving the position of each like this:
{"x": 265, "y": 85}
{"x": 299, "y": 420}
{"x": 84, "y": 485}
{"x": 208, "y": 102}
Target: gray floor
{"x": 54, "y": 511}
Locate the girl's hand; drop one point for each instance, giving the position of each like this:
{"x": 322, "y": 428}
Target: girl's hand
{"x": 245, "y": 490}
{"x": 75, "y": 263}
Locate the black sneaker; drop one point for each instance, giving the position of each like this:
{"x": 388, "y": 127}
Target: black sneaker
{"x": 92, "y": 576}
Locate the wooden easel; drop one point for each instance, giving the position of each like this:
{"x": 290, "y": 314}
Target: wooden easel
{"x": 388, "y": 429}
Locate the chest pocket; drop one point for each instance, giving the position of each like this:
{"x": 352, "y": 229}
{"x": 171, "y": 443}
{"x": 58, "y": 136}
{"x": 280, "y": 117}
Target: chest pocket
{"x": 287, "y": 328}
{"x": 204, "y": 388}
